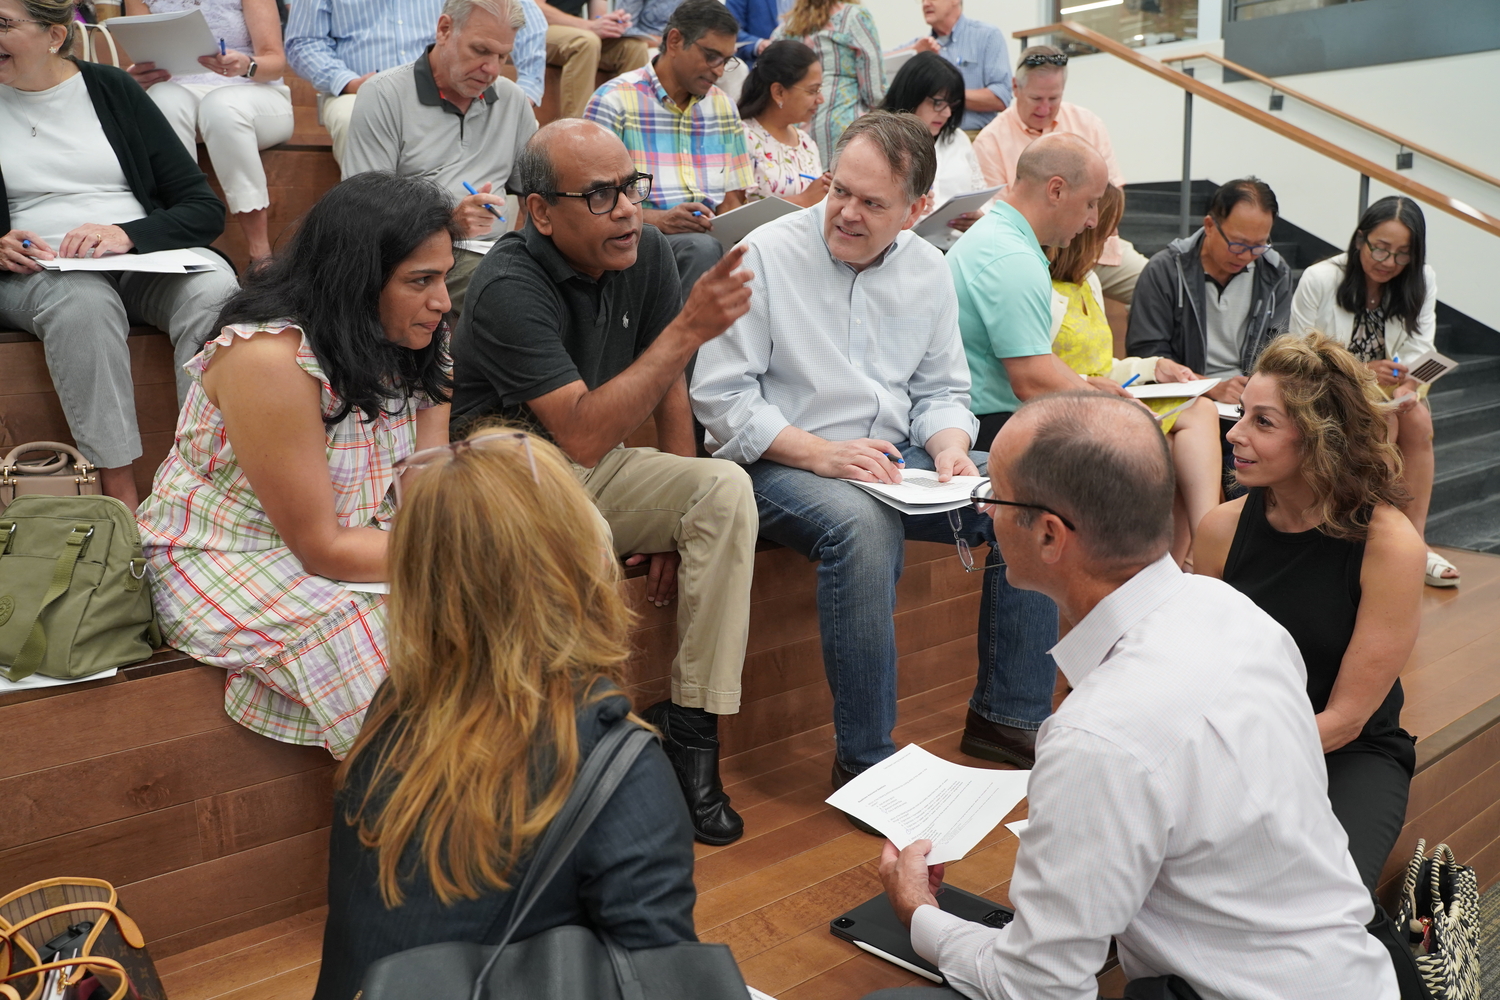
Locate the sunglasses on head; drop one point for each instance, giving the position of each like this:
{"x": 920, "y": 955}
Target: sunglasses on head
{"x": 1042, "y": 59}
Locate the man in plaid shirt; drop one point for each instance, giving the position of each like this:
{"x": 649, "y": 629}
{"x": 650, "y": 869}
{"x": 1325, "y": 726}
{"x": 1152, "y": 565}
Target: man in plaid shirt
{"x": 684, "y": 131}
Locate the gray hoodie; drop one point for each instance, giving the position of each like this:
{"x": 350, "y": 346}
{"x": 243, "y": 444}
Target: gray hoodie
{"x": 1166, "y": 316}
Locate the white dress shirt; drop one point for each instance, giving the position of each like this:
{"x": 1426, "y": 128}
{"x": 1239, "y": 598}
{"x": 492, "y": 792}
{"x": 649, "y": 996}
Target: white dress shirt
{"x": 839, "y": 353}
{"x": 1179, "y": 803}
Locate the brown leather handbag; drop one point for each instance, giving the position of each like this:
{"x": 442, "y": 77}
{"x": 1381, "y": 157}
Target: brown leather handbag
{"x": 105, "y": 956}
{"x": 64, "y": 473}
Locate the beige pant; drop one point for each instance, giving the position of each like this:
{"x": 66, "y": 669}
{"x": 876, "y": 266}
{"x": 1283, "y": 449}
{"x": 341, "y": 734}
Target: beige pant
{"x": 1118, "y": 280}
{"x": 580, "y": 54}
{"x": 335, "y": 113}
{"x": 704, "y": 508}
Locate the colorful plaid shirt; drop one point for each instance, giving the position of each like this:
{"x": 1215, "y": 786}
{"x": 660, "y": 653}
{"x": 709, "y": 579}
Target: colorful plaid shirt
{"x": 694, "y": 153}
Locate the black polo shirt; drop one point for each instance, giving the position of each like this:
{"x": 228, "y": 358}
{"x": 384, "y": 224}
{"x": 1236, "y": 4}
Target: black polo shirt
{"x": 532, "y": 324}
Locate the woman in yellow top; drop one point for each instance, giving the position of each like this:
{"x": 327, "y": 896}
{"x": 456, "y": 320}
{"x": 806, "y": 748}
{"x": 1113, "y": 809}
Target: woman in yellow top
{"x": 1082, "y": 339}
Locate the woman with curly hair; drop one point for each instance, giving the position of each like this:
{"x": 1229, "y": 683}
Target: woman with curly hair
{"x": 1321, "y": 544}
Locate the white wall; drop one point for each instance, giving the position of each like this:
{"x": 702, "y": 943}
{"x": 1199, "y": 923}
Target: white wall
{"x": 1451, "y": 105}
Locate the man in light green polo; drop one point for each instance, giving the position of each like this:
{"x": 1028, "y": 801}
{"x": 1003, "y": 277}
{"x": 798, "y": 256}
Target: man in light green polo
{"x": 1004, "y": 284}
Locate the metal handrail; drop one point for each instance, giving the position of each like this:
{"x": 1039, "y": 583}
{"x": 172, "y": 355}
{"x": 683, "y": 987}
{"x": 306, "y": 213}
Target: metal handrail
{"x": 1193, "y": 86}
{"x": 1279, "y": 88}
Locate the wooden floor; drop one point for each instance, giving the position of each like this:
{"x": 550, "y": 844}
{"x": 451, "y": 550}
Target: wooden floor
{"x": 770, "y": 896}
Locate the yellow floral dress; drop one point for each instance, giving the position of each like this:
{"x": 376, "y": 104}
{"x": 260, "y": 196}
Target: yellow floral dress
{"x": 1085, "y": 344}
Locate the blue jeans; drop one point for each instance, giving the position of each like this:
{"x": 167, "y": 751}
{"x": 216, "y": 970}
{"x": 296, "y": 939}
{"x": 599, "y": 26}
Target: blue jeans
{"x": 858, "y": 543}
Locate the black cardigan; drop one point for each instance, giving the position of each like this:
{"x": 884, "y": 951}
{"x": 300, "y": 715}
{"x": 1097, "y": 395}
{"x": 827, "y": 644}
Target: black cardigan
{"x": 181, "y": 209}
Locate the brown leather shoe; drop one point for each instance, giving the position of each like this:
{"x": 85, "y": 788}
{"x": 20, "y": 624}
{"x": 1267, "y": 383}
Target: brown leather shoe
{"x": 1002, "y": 744}
{"x": 841, "y": 778}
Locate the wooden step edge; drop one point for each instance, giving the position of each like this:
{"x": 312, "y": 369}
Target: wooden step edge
{"x": 1457, "y": 733}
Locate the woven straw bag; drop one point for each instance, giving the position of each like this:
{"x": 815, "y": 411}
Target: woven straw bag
{"x": 1439, "y": 907}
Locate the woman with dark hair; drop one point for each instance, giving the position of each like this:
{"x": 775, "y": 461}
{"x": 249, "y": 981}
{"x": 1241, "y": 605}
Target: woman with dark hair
{"x": 1321, "y": 545}
{"x": 932, "y": 88}
{"x": 329, "y": 367}
{"x": 1379, "y": 299}
{"x": 783, "y": 90}
{"x": 844, "y": 36}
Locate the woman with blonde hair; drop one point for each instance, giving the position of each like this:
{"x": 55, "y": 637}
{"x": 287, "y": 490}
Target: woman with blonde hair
{"x": 1081, "y": 337}
{"x": 507, "y": 634}
{"x": 845, "y": 39}
{"x": 1321, "y": 544}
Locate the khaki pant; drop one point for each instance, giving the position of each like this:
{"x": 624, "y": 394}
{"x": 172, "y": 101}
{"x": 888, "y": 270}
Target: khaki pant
{"x": 704, "y": 508}
{"x": 464, "y": 263}
{"x": 335, "y": 113}
{"x": 581, "y": 54}
{"x": 1118, "y": 280}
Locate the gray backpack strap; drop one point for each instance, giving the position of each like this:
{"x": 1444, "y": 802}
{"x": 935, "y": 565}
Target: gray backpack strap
{"x": 606, "y": 767}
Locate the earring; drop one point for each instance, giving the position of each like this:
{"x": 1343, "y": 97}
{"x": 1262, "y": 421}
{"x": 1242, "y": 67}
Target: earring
{"x": 780, "y": 105}
{"x": 53, "y": 50}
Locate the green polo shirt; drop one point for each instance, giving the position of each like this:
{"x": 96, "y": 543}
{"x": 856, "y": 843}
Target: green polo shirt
{"x": 1004, "y": 288}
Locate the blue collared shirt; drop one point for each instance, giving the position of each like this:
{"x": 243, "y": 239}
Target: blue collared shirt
{"x": 331, "y": 42}
{"x": 981, "y": 55}
{"x": 648, "y": 17}
{"x": 839, "y": 353}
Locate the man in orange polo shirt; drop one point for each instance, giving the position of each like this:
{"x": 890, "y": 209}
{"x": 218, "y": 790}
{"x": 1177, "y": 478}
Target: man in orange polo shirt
{"x": 1038, "y": 110}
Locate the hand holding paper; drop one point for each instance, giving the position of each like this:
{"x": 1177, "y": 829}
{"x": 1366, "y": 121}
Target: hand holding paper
{"x": 915, "y": 795}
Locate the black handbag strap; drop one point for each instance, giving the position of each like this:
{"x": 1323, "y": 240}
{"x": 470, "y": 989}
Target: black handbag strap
{"x": 606, "y": 766}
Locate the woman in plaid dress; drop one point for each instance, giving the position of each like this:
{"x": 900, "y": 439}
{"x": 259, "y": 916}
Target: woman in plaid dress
{"x": 330, "y": 366}
{"x": 844, "y": 37}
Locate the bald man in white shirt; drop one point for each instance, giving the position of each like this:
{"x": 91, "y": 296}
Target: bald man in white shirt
{"x": 1179, "y": 802}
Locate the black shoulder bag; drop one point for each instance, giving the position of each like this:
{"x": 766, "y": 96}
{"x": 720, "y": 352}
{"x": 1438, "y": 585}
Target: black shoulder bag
{"x": 564, "y": 963}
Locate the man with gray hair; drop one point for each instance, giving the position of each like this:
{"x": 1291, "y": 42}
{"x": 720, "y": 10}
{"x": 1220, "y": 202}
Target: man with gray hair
{"x": 1179, "y": 802}
{"x": 849, "y": 365}
{"x": 452, "y": 118}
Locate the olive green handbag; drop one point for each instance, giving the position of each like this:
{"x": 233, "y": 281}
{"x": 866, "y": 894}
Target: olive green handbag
{"x": 73, "y": 593}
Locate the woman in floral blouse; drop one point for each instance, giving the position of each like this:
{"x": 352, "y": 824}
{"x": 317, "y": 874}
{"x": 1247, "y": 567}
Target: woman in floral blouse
{"x": 783, "y": 91}
{"x": 844, "y": 37}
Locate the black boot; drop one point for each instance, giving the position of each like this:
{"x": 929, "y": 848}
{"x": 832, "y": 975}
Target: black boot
{"x": 695, "y": 758}
{"x": 841, "y": 778}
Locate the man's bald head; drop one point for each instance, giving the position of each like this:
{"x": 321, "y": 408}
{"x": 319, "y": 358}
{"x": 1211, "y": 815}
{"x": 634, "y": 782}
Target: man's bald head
{"x": 1060, "y": 154}
{"x": 559, "y": 149}
{"x": 1100, "y": 461}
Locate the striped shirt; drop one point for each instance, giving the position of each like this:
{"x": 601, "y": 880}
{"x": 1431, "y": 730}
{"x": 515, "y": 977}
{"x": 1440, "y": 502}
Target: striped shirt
{"x": 1179, "y": 805}
{"x": 331, "y": 42}
{"x": 839, "y": 353}
{"x": 695, "y": 153}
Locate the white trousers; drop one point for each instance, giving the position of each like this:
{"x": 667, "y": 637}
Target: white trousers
{"x": 236, "y": 122}
{"x": 336, "y": 113}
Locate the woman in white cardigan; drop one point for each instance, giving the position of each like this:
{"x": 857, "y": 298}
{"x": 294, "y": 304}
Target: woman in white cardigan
{"x": 932, "y": 88}
{"x": 1379, "y": 300}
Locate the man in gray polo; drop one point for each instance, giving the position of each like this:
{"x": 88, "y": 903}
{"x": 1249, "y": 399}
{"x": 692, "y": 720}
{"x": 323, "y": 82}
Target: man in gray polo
{"x": 451, "y": 117}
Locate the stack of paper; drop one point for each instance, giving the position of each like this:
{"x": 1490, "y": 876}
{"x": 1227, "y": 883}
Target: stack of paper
{"x": 919, "y": 492}
{"x": 173, "y": 39}
{"x": 915, "y": 795}
{"x": 1172, "y": 390}
{"x": 160, "y": 262}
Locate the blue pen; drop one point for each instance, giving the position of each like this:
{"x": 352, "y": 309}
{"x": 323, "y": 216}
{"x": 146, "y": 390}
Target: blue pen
{"x": 222, "y": 50}
{"x": 1396, "y": 361}
{"x": 808, "y": 177}
{"x": 25, "y": 244}
{"x": 896, "y": 458}
{"x": 1131, "y": 381}
{"x": 489, "y": 208}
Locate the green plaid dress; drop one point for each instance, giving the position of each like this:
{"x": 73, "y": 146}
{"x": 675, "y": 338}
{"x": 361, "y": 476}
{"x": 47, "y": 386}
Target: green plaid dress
{"x": 304, "y": 655}
{"x": 853, "y": 72}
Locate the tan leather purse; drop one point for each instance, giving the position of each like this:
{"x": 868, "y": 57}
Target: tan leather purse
{"x": 65, "y": 473}
{"x": 107, "y": 943}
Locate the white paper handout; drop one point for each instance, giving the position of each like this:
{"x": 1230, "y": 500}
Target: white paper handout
{"x": 1172, "y": 390}
{"x": 736, "y": 224}
{"x": 895, "y": 60}
{"x": 934, "y": 229}
{"x": 173, "y": 40}
{"x": 160, "y": 262}
{"x": 38, "y": 681}
{"x": 1427, "y": 368}
{"x": 1018, "y": 826}
{"x": 919, "y": 491}
{"x": 1229, "y": 411}
{"x": 915, "y": 795}
{"x": 477, "y": 246}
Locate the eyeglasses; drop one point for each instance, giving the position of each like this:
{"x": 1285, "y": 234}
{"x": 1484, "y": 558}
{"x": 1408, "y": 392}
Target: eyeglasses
{"x": 493, "y": 441}
{"x": 8, "y": 23}
{"x": 717, "y": 59}
{"x": 1042, "y": 59}
{"x": 1382, "y": 254}
{"x": 812, "y": 91}
{"x": 602, "y": 200}
{"x": 1241, "y": 248}
{"x": 983, "y": 494}
{"x": 965, "y": 553}
{"x": 938, "y": 104}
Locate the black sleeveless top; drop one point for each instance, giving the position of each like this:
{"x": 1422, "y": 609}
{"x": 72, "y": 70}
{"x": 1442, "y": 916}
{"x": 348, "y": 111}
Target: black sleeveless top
{"x": 1309, "y": 583}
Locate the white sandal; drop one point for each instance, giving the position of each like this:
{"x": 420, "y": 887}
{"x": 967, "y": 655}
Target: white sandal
{"x": 1436, "y": 567}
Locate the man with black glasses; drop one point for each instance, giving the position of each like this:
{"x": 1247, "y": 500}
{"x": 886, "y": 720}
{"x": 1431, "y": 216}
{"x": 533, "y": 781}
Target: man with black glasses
{"x": 1213, "y": 300}
{"x": 573, "y": 327}
{"x": 683, "y": 129}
